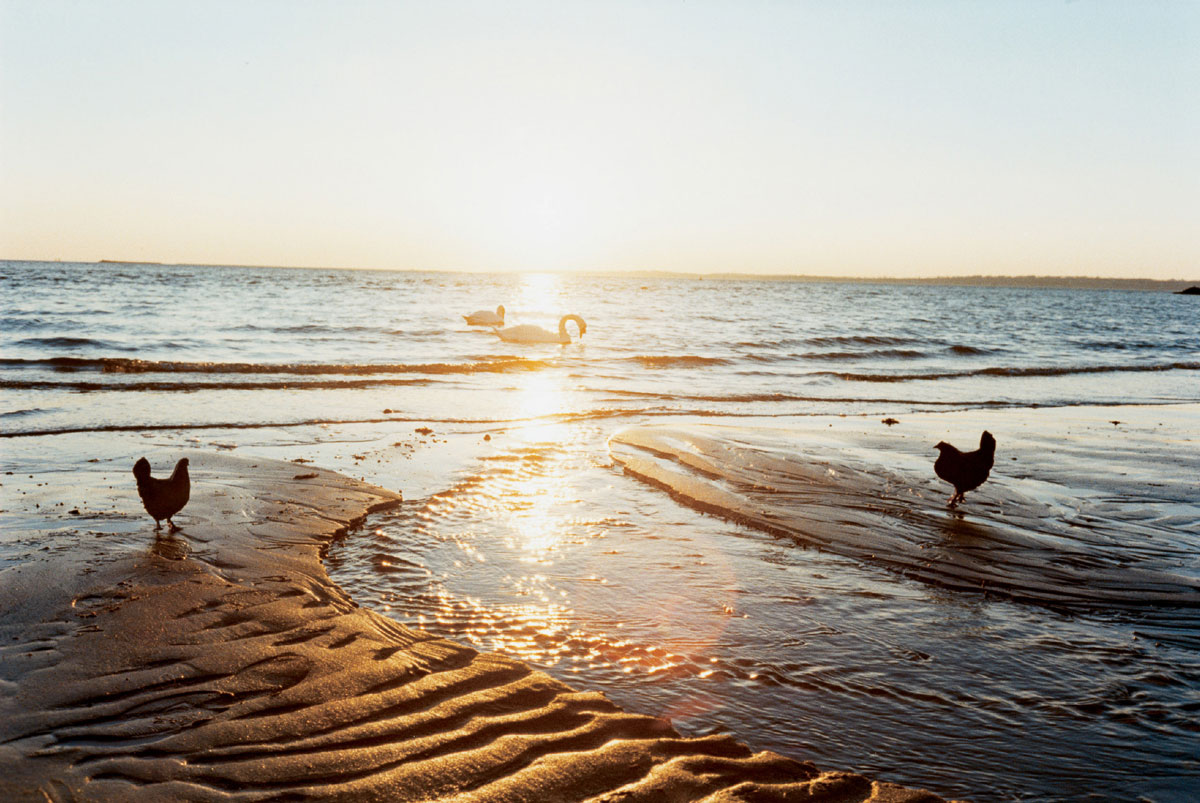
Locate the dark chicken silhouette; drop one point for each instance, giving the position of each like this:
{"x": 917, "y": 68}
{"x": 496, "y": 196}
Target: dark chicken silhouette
{"x": 965, "y": 470}
{"x": 163, "y": 498}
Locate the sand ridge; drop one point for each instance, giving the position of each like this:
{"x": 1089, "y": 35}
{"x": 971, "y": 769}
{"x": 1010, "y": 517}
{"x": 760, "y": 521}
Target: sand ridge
{"x": 221, "y": 663}
{"x": 1111, "y": 547}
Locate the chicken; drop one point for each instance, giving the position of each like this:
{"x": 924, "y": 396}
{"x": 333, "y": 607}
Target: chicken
{"x": 163, "y": 498}
{"x": 965, "y": 470}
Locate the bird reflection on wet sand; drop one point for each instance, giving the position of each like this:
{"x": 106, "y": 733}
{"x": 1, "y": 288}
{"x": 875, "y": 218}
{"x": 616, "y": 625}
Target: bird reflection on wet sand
{"x": 170, "y": 546}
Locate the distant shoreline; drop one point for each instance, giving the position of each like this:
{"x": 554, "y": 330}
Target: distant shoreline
{"x": 975, "y": 280}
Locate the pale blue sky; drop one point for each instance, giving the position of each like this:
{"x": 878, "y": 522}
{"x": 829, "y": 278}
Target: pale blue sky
{"x": 869, "y": 138}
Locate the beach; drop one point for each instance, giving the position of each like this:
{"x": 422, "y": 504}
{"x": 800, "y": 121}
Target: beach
{"x": 706, "y": 549}
{"x": 690, "y": 402}
{"x": 221, "y": 663}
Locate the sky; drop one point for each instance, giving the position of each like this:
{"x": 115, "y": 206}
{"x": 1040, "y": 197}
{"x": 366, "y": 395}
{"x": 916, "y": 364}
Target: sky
{"x": 883, "y": 139}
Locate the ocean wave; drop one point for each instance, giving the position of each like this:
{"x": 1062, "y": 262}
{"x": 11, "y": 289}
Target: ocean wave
{"x": 782, "y": 343}
{"x": 680, "y": 361}
{"x": 747, "y": 398}
{"x": 187, "y": 387}
{"x": 122, "y": 365}
{"x": 863, "y": 340}
{"x": 1028, "y": 371}
{"x": 305, "y": 329}
{"x": 1130, "y": 345}
{"x": 15, "y": 322}
{"x": 63, "y": 342}
{"x": 896, "y": 354}
{"x": 190, "y": 386}
{"x": 418, "y": 334}
{"x": 667, "y": 411}
{"x": 18, "y": 413}
{"x": 893, "y": 341}
{"x": 584, "y": 415}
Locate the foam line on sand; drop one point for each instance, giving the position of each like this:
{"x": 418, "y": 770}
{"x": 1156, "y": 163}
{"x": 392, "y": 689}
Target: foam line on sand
{"x": 221, "y": 663}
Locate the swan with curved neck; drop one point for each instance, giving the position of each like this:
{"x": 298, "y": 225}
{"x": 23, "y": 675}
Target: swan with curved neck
{"x": 486, "y": 317}
{"x": 528, "y": 333}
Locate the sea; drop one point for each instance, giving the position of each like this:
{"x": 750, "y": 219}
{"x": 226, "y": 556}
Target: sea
{"x": 718, "y": 505}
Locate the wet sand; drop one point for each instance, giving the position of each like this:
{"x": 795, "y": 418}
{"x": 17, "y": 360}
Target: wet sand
{"x": 1085, "y": 507}
{"x": 221, "y": 663}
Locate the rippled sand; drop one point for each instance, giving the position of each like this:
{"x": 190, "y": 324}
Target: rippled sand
{"x": 220, "y": 663}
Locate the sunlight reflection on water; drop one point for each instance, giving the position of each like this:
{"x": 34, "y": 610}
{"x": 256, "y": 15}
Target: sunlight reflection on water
{"x": 541, "y": 550}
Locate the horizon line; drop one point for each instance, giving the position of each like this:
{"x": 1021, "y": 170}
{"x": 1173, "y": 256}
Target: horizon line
{"x": 1048, "y": 279}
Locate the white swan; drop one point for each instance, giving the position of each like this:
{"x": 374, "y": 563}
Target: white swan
{"x": 486, "y": 317}
{"x": 528, "y": 333}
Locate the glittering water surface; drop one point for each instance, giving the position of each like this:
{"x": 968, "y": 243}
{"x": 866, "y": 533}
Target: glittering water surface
{"x": 170, "y": 345}
{"x": 787, "y": 625}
